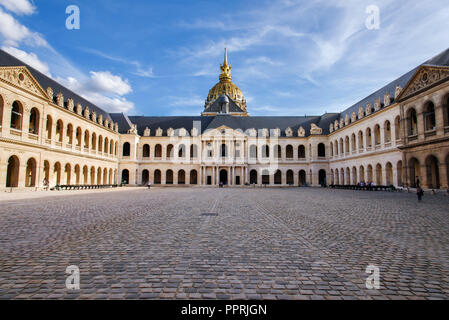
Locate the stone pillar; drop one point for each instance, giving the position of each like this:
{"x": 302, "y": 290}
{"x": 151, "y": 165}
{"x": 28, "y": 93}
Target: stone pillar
{"x": 421, "y": 127}
{"x": 443, "y": 176}
{"x": 439, "y": 118}
{"x": 423, "y": 176}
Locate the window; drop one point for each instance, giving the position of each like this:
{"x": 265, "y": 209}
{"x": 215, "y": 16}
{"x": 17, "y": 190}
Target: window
{"x": 429, "y": 116}
{"x": 412, "y": 123}
{"x": 16, "y": 116}
{"x": 146, "y": 151}
{"x": 34, "y": 121}
{"x": 301, "y": 152}
{"x": 321, "y": 150}
{"x": 126, "y": 149}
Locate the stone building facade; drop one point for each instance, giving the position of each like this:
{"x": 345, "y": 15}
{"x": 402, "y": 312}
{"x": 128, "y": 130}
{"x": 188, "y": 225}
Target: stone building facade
{"x": 398, "y": 135}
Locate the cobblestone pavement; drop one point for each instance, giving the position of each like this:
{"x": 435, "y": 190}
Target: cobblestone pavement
{"x": 296, "y": 243}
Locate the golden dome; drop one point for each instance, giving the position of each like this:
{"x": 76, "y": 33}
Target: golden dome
{"x": 226, "y": 86}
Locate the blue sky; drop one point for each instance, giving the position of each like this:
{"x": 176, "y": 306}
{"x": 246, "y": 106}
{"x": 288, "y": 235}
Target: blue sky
{"x": 162, "y": 57}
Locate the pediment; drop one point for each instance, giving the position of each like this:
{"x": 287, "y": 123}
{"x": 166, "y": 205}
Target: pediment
{"x": 21, "y": 78}
{"x": 424, "y": 78}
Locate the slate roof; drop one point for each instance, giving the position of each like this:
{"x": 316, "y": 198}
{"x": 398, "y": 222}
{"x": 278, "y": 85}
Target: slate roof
{"x": 440, "y": 60}
{"x": 7, "y": 60}
{"x": 215, "y": 106}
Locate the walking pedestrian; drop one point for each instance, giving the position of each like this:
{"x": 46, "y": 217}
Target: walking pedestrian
{"x": 420, "y": 193}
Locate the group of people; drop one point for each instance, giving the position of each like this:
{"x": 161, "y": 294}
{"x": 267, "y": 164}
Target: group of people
{"x": 367, "y": 184}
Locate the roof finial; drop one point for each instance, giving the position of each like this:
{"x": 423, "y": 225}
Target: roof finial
{"x": 226, "y": 57}
{"x": 225, "y": 68}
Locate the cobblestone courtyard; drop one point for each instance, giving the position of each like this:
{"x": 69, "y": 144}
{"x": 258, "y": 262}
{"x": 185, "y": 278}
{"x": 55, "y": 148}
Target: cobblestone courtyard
{"x": 294, "y": 243}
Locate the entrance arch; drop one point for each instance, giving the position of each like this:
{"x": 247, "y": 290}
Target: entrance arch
{"x": 433, "y": 172}
{"x": 322, "y": 177}
{"x": 302, "y": 178}
{"x": 30, "y": 179}
{"x": 415, "y": 173}
{"x": 145, "y": 177}
{"x": 253, "y": 177}
{"x": 12, "y": 175}
{"x": 224, "y": 176}
{"x": 125, "y": 176}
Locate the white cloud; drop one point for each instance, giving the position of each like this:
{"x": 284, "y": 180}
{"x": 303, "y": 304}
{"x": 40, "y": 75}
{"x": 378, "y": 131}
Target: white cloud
{"x": 29, "y": 58}
{"x": 19, "y": 6}
{"x": 13, "y": 32}
{"x": 104, "y": 81}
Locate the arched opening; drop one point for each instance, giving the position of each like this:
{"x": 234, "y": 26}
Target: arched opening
{"x": 369, "y": 138}
{"x": 224, "y": 177}
{"x": 412, "y": 120}
{"x": 387, "y": 133}
{"x": 341, "y": 147}
{"x": 348, "y": 177}
{"x": 57, "y": 173}
{"x": 105, "y": 176}
{"x": 331, "y": 148}
{"x": 193, "y": 151}
{"x": 169, "y": 177}
{"x": 265, "y": 177}
{"x": 146, "y": 151}
{"x": 397, "y": 127}
{"x": 253, "y": 177}
{"x": 59, "y": 131}
{"x": 86, "y": 139}
{"x": 290, "y": 178}
{"x": 100, "y": 143}
{"x": 321, "y": 150}
{"x": 399, "y": 172}
{"x": 362, "y": 174}
{"x": 77, "y": 174}
{"x": 182, "y": 151}
{"x": 85, "y": 175}
{"x": 429, "y": 117}
{"x": 370, "y": 174}
{"x": 353, "y": 143}
{"x": 49, "y": 127}
{"x": 332, "y": 177}
{"x": 347, "y": 149}
{"x": 336, "y": 148}
{"x": 322, "y": 178}
{"x": 265, "y": 151}
{"x": 302, "y": 178}
{"x": 433, "y": 172}
{"x": 30, "y": 177}
{"x": 126, "y": 149}
{"x": 67, "y": 173}
{"x": 69, "y": 134}
{"x": 94, "y": 141}
{"x": 34, "y": 121}
{"x": 278, "y": 177}
{"x": 111, "y": 147}
{"x": 158, "y": 151}
{"x": 289, "y": 152}
{"x": 47, "y": 171}
{"x": 12, "y": 172}
{"x": 106, "y": 145}
{"x": 377, "y": 139}
{"x": 301, "y": 152}
{"x": 92, "y": 176}
{"x": 125, "y": 176}
{"x": 337, "y": 177}
{"x": 415, "y": 173}
{"x": 253, "y": 151}
{"x": 389, "y": 174}
{"x": 1, "y": 111}
{"x": 145, "y": 177}
{"x": 157, "y": 177}
{"x": 170, "y": 151}
{"x": 16, "y": 115}
{"x": 78, "y": 136}
{"x": 379, "y": 180}
{"x": 354, "y": 176}
{"x": 181, "y": 177}
{"x": 193, "y": 177}
{"x": 361, "y": 145}
{"x": 342, "y": 176}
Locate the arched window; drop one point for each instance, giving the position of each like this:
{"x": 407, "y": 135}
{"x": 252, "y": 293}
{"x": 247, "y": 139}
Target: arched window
{"x": 145, "y": 177}
{"x": 181, "y": 177}
{"x": 12, "y": 172}
{"x": 157, "y": 177}
{"x": 429, "y": 116}
{"x": 169, "y": 177}
{"x": 289, "y": 152}
{"x": 34, "y": 121}
{"x": 146, "y": 151}
{"x": 106, "y": 145}
{"x": 158, "y": 151}
{"x": 193, "y": 151}
{"x": 265, "y": 151}
{"x": 125, "y": 177}
{"x": 412, "y": 120}
{"x": 49, "y": 127}
{"x": 302, "y": 178}
{"x": 59, "y": 131}
{"x": 346, "y": 144}
{"x": 397, "y": 127}
{"x": 301, "y": 152}
{"x": 387, "y": 133}
{"x": 361, "y": 144}
{"x": 278, "y": 177}
{"x": 446, "y": 111}
{"x": 69, "y": 134}
{"x": 100, "y": 143}
{"x": 79, "y": 135}
{"x": 321, "y": 150}
{"x": 86, "y": 139}
{"x": 331, "y": 148}
{"x": 290, "y": 178}
{"x": 377, "y": 139}
{"x": 126, "y": 149}
{"x": 253, "y": 177}
{"x": 16, "y": 115}
{"x": 353, "y": 143}
{"x": 94, "y": 141}
{"x": 224, "y": 150}
{"x": 253, "y": 151}
{"x": 277, "y": 151}
{"x": 182, "y": 151}
{"x": 193, "y": 177}
{"x": 169, "y": 151}
{"x": 369, "y": 138}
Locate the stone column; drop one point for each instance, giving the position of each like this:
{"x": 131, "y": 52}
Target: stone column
{"x": 439, "y": 118}
{"x": 421, "y": 127}
{"x": 442, "y": 168}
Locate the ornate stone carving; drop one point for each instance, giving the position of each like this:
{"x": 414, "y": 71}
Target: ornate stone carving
{"x": 264, "y": 133}
{"x": 377, "y": 105}
{"x": 353, "y": 117}
{"x": 301, "y": 132}
{"x": 170, "y": 132}
{"x": 100, "y": 119}
{"x": 361, "y": 113}
{"x": 387, "y": 99}
{"x": 19, "y": 76}
{"x": 424, "y": 78}
{"x": 106, "y": 123}
{"x": 60, "y": 99}
{"x": 133, "y": 129}
{"x": 79, "y": 109}
{"x": 50, "y": 93}
{"x": 275, "y": 133}
{"x": 289, "y": 132}
{"x": 159, "y": 132}
{"x": 194, "y": 132}
{"x": 347, "y": 120}
{"x": 397, "y": 92}
{"x": 342, "y": 123}
{"x": 116, "y": 127}
{"x": 86, "y": 112}
{"x": 70, "y": 104}
{"x": 182, "y": 132}
{"x": 252, "y": 132}
{"x": 369, "y": 109}
{"x": 147, "y": 132}
{"x": 331, "y": 128}
{"x": 315, "y": 130}
{"x": 94, "y": 116}
{"x": 336, "y": 124}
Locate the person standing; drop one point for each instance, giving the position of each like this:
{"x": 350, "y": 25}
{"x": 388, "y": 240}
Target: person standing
{"x": 420, "y": 193}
